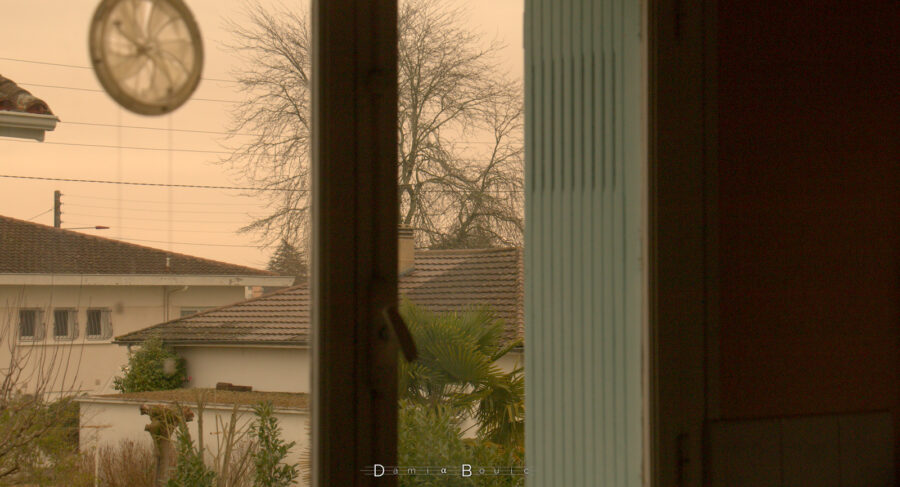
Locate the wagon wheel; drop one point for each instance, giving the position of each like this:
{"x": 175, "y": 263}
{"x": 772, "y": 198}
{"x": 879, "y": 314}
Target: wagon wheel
{"x": 147, "y": 54}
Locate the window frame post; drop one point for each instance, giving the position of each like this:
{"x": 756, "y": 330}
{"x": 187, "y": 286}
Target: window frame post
{"x": 354, "y": 240}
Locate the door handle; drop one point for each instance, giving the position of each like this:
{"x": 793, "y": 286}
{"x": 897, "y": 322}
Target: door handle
{"x": 401, "y": 332}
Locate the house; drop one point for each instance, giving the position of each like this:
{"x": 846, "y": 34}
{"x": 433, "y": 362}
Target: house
{"x": 243, "y": 343}
{"x": 22, "y": 114}
{"x": 257, "y": 341}
{"x": 64, "y": 295}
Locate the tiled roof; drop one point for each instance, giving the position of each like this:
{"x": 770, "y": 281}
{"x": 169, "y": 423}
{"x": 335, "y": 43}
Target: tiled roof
{"x": 16, "y": 99}
{"x": 31, "y": 248}
{"x": 452, "y": 280}
{"x": 442, "y": 280}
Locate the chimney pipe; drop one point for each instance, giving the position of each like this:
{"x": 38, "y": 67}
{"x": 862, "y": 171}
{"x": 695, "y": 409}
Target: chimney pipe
{"x": 406, "y": 249}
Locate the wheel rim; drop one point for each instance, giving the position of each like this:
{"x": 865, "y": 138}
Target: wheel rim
{"x": 146, "y": 53}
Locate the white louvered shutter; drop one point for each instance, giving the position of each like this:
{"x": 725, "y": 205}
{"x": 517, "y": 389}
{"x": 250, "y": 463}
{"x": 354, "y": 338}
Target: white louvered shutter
{"x": 72, "y": 321}
{"x": 40, "y": 327}
{"x": 106, "y": 324}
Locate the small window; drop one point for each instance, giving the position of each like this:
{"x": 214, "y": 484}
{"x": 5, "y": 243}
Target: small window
{"x": 65, "y": 324}
{"x": 194, "y": 310}
{"x": 98, "y": 324}
{"x": 30, "y": 326}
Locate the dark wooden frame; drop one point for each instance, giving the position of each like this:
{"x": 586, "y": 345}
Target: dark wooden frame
{"x": 682, "y": 231}
{"x": 355, "y": 213}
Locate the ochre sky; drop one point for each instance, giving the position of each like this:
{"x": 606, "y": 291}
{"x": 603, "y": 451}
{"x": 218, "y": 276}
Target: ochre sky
{"x": 85, "y": 145}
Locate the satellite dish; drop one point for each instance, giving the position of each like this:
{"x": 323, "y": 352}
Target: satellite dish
{"x": 147, "y": 54}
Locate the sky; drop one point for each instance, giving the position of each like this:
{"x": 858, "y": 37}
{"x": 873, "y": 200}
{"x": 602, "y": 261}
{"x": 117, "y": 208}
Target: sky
{"x": 45, "y": 51}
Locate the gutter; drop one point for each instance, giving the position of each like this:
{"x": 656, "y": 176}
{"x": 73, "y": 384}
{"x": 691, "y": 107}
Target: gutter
{"x": 287, "y": 345}
{"x": 46, "y": 279}
{"x": 24, "y": 125}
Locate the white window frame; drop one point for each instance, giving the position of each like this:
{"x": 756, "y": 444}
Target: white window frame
{"x": 105, "y": 324}
{"x": 71, "y": 324}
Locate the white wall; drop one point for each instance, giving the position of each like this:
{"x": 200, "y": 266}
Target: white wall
{"x": 92, "y": 364}
{"x": 511, "y": 360}
{"x": 106, "y": 421}
{"x": 265, "y": 369}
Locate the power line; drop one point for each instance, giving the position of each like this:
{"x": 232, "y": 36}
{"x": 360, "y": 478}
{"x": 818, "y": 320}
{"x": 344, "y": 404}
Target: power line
{"x": 161, "y": 219}
{"x": 106, "y": 146}
{"x": 207, "y": 203}
{"x": 94, "y": 90}
{"x": 41, "y": 214}
{"x": 193, "y": 243}
{"x": 138, "y": 127}
{"x": 176, "y": 230}
{"x": 202, "y": 186}
{"x": 29, "y": 61}
{"x": 151, "y": 210}
{"x": 136, "y": 183}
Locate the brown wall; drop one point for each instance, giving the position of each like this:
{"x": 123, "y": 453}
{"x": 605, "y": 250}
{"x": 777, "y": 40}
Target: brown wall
{"x": 809, "y": 207}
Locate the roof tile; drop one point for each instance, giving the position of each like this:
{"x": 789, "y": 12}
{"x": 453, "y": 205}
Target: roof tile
{"x": 442, "y": 281}
{"x": 31, "y": 248}
{"x": 16, "y": 99}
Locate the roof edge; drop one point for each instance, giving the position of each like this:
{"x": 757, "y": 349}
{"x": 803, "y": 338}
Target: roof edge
{"x": 133, "y": 337}
{"x": 286, "y": 344}
{"x": 100, "y": 399}
{"x": 37, "y": 279}
{"x": 25, "y": 125}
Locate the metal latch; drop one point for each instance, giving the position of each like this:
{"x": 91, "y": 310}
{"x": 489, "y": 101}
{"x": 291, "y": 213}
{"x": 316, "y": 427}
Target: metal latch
{"x": 401, "y": 332}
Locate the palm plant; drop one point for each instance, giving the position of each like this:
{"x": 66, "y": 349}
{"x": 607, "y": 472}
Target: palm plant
{"x": 456, "y": 367}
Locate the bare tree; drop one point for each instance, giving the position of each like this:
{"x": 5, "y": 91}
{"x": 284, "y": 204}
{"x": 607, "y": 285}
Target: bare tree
{"x": 37, "y": 380}
{"x": 460, "y": 120}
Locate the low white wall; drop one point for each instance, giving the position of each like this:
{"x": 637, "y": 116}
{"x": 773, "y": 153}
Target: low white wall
{"x": 108, "y": 421}
{"x": 264, "y": 368}
{"x": 511, "y": 360}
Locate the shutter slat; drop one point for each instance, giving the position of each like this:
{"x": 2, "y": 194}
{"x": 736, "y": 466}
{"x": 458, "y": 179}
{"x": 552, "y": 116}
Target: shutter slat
{"x": 583, "y": 274}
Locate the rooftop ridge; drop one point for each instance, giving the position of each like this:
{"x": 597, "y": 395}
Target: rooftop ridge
{"x": 110, "y": 241}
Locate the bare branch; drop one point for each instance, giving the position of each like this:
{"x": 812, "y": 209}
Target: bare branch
{"x": 460, "y": 164}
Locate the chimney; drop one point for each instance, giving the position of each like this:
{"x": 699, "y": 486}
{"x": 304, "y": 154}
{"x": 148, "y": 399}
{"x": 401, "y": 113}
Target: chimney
{"x": 406, "y": 249}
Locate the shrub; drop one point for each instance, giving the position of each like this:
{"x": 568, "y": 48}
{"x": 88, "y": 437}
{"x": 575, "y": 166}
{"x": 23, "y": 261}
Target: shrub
{"x": 129, "y": 464}
{"x": 154, "y": 367}
{"x": 432, "y": 436}
{"x": 50, "y": 452}
{"x": 271, "y": 450}
{"x": 190, "y": 471}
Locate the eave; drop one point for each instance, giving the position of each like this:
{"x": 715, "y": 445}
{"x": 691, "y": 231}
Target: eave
{"x": 142, "y": 280}
{"x": 26, "y": 125}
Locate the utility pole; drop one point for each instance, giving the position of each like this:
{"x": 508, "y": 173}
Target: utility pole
{"x": 57, "y": 209}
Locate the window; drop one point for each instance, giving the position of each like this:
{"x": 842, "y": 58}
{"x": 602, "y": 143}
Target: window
{"x": 65, "y": 324}
{"x": 30, "y": 326}
{"x": 98, "y": 325}
{"x": 194, "y": 310}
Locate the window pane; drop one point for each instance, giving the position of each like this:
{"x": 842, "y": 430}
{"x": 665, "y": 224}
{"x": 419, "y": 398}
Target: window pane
{"x": 60, "y": 323}
{"x": 27, "y": 323}
{"x": 94, "y": 323}
{"x": 195, "y": 210}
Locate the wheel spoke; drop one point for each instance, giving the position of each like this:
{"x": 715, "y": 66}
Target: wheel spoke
{"x": 128, "y": 26}
{"x": 125, "y": 66}
{"x": 173, "y": 59}
{"x": 158, "y": 21}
